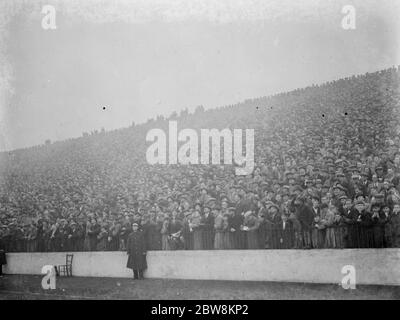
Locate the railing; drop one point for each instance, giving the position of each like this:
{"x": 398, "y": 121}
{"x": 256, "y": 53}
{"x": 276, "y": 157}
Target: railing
{"x": 267, "y": 237}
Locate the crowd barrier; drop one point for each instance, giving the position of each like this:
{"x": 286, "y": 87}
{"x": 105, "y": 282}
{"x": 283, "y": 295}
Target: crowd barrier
{"x": 370, "y": 266}
{"x": 272, "y": 237}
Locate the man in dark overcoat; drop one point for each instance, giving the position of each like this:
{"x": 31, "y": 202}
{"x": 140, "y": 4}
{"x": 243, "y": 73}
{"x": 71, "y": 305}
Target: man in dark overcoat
{"x": 136, "y": 250}
{"x": 305, "y": 215}
{"x": 392, "y": 228}
{"x": 3, "y": 259}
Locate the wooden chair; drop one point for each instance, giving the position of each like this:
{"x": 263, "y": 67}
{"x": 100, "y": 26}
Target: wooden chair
{"x": 65, "y": 269}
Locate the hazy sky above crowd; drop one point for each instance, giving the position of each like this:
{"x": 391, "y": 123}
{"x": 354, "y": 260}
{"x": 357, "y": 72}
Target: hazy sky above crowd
{"x": 139, "y": 59}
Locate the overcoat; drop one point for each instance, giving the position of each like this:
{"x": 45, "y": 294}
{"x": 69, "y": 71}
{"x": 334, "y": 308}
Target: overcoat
{"x": 253, "y": 223}
{"x": 136, "y": 250}
{"x": 392, "y": 231}
{"x": 208, "y": 231}
{"x": 197, "y": 231}
{"x": 378, "y": 227}
{"x": 365, "y": 230}
{"x": 350, "y": 225}
{"x": 3, "y": 259}
{"x": 152, "y": 232}
{"x": 220, "y": 228}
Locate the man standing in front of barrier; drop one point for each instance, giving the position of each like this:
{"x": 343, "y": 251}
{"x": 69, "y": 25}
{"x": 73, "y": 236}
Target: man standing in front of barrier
{"x": 3, "y": 259}
{"x": 136, "y": 250}
{"x": 305, "y": 216}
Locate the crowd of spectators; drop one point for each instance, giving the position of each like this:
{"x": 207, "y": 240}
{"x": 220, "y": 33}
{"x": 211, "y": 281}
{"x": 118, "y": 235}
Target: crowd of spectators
{"x": 327, "y": 175}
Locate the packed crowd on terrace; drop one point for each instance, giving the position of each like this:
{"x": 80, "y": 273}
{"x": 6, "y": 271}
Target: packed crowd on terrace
{"x": 327, "y": 175}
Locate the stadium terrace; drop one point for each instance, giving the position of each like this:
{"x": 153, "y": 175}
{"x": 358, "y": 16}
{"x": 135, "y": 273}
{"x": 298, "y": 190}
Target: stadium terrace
{"x": 326, "y": 175}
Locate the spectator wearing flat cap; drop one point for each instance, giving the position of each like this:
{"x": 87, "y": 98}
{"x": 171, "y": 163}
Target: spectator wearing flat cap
{"x": 102, "y": 239}
{"x": 392, "y": 228}
{"x": 179, "y": 234}
{"x": 113, "y": 236}
{"x": 221, "y": 226}
{"x": 165, "y": 233}
{"x": 152, "y": 232}
{"x": 75, "y": 237}
{"x": 305, "y": 216}
{"x": 196, "y": 229}
{"x": 334, "y": 233}
{"x": 349, "y": 225}
{"x": 284, "y": 233}
{"x": 207, "y": 226}
{"x": 55, "y": 237}
{"x": 93, "y": 232}
{"x": 318, "y": 230}
{"x": 378, "y": 221}
{"x": 31, "y": 241}
{"x": 364, "y": 225}
{"x": 126, "y": 229}
{"x": 250, "y": 226}
{"x": 236, "y": 219}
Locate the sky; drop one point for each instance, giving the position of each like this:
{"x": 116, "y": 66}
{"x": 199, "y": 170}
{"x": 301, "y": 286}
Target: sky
{"x": 139, "y": 59}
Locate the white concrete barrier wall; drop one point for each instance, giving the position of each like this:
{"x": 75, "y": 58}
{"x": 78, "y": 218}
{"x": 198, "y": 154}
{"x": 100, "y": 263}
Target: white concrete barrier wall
{"x": 373, "y": 266}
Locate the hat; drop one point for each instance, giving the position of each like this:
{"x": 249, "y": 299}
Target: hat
{"x": 211, "y": 200}
{"x": 340, "y": 187}
{"x": 272, "y": 205}
{"x": 297, "y": 188}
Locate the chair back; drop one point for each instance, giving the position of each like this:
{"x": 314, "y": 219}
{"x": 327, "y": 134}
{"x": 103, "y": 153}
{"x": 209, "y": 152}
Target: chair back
{"x": 68, "y": 259}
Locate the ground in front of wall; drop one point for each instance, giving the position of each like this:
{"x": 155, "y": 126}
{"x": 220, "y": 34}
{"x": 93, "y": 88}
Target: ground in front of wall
{"x": 28, "y": 287}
